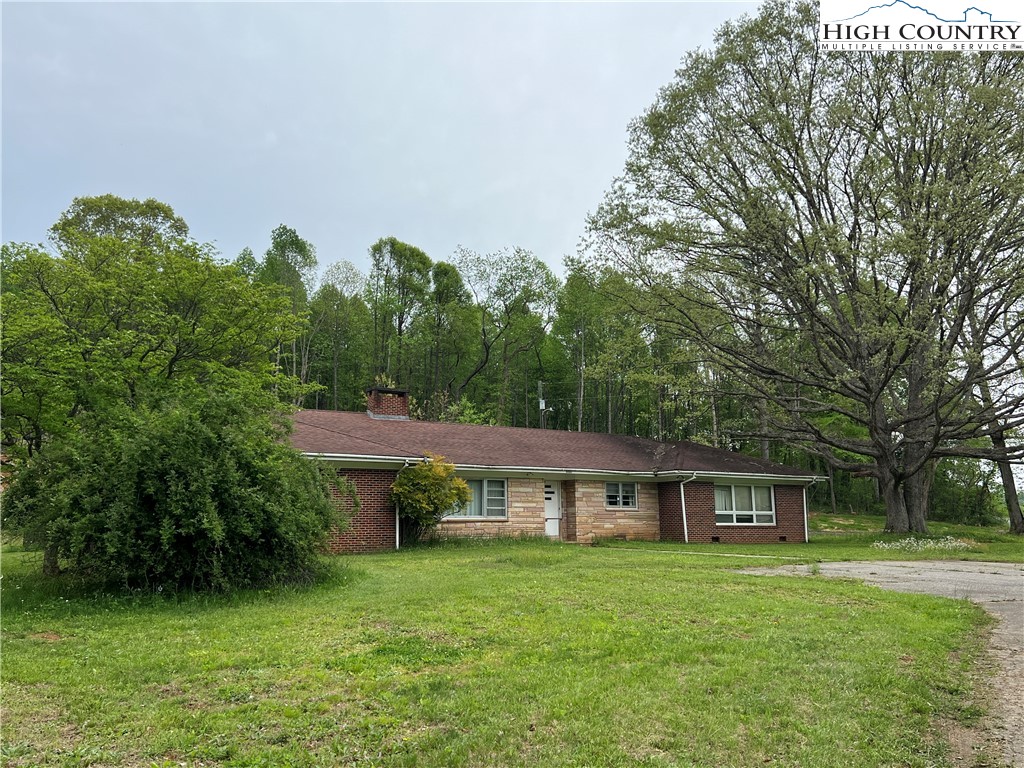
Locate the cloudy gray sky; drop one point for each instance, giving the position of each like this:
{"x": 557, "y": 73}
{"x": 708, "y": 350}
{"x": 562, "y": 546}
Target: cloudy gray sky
{"x": 482, "y": 124}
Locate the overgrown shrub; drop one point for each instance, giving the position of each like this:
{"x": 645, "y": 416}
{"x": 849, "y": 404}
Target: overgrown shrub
{"x": 967, "y": 491}
{"x": 197, "y": 493}
{"x": 424, "y": 493}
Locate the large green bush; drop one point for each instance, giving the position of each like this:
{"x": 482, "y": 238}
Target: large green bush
{"x": 967, "y": 491}
{"x": 199, "y": 492}
{"x": 142, "y": 407}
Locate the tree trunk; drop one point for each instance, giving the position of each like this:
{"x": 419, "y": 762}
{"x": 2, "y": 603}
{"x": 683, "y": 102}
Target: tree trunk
{"x": 714, "y": 422}
{"x": 896, "y": 519}
{"x": 609, "y": 392}
{"x": 398, "y": 375}
{"x": 661, "y": 413}
{"x": 334, "y": 374}
{"x": 1012, "y": 498}
{"x": 916, "y": 490}
{"x": 762, "y": 416}
{"x": 579, "y": 387}
{"x": 435, "y": 384}
{"x": 526, "y": 398}
{"x": 506, "y": 372}
{"x": 1009, "y": 486}
{"x": 1005, "y": 470}
{"x": 51, "y": 566}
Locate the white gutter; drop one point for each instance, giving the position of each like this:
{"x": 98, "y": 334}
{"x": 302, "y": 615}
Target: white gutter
{"x": 504, "y": 468}
{"x": 682, "y": 501}
{"x": 515, "y": 469}
{"x": 359, "y": 456}
{"x": 811, "y": 479}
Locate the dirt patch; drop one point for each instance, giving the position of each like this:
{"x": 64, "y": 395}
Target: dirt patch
{"x": 1007, "y": 694}
{"x": 48, "y": 637}
{"x": 34, "y": 726}
{"x": 978, "y": 743}
{"x": 966, "y": 747}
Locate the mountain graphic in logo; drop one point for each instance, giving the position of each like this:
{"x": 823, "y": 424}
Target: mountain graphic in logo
{"x": 970, "y": 15}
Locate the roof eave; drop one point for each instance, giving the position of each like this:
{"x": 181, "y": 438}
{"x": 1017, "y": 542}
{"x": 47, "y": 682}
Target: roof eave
{"x": 365, "y": 460}
{"x": 387, "y": 462}
{"x": 711, "y": 476}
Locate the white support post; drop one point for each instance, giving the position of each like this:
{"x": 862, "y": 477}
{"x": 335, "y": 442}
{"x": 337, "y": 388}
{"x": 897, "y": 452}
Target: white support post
{"x": 806, "y": 537}
{"x": 682, "y": 501}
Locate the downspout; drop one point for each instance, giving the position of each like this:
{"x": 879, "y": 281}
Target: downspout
{"x": 807, "y": 536}
{"x": 398, "y": 537}
{"x": 682, "y": 502}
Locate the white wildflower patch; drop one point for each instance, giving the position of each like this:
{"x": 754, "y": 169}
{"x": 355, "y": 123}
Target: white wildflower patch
{"x": 912, "y": 544}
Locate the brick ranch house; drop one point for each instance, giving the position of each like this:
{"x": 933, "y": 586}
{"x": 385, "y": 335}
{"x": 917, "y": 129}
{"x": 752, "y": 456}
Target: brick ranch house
{"x": 571, "y": 486}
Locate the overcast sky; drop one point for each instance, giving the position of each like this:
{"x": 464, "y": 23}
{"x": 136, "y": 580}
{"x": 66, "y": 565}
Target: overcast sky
{"x": 482, "y": 124}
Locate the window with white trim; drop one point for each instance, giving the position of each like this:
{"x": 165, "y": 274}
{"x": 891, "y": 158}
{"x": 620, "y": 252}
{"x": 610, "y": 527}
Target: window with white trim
{"x": 744, "y": 505}
{"x": 488, "y": 499}
{"x": 620, "y": 495}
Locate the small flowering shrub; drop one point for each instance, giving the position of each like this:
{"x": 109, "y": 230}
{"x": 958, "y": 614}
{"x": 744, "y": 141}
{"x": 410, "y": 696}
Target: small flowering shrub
{"x": 912, "y": 544}
{"x": 424, "y": 493}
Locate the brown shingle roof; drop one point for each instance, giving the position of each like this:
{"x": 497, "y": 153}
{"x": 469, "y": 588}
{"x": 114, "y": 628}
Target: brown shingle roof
{"x": 345, "y": 433}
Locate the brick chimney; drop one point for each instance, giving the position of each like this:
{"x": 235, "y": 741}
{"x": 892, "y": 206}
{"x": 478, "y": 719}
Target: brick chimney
{"x": 387, "y": 403}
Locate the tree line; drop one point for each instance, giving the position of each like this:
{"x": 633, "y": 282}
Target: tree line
{"x": 811, "y": 257}
{"x": 488, "y": 338}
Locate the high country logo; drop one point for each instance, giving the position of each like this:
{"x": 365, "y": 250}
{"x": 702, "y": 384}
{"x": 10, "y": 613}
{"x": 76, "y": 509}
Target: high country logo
{"x": 944, "y": 25}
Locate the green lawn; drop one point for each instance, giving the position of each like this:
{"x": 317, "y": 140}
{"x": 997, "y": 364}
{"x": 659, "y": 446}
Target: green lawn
{"x": 490, "y": 654}
{"x": 852, "y": 537}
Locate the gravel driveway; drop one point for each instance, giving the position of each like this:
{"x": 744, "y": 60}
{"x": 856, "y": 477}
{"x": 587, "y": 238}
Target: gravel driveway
{"x": 997, "y": 587}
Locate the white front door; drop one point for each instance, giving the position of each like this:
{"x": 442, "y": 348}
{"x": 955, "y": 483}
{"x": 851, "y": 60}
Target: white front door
{"x": 552, "y": 510}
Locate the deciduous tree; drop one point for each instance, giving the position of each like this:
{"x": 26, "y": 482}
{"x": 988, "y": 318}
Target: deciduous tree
{"x": 395, "y": 291}
{"x": 825, "y": 226}
{"x": 117, "y": 313}
{"x": 141, "y": 399}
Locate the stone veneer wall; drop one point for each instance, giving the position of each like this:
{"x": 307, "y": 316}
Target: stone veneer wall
{"x": 568, "y": 510}
{"x": 525, "y": 499}
{"x": 593, "y": 520}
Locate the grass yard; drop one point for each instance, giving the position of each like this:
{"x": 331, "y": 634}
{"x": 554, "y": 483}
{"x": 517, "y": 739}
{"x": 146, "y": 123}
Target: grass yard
{"x": 490, "y": 654}
{"x": 853, "y": 537}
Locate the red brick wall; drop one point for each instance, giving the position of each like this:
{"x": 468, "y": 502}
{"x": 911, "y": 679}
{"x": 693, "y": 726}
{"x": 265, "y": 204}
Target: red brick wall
{"x": 789, "y": 511}
{"x": 372, "y": 528}
{"x": 670, "y": 512}
{"x": 700, "y": 517}
{"x": 387, "y": 403}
